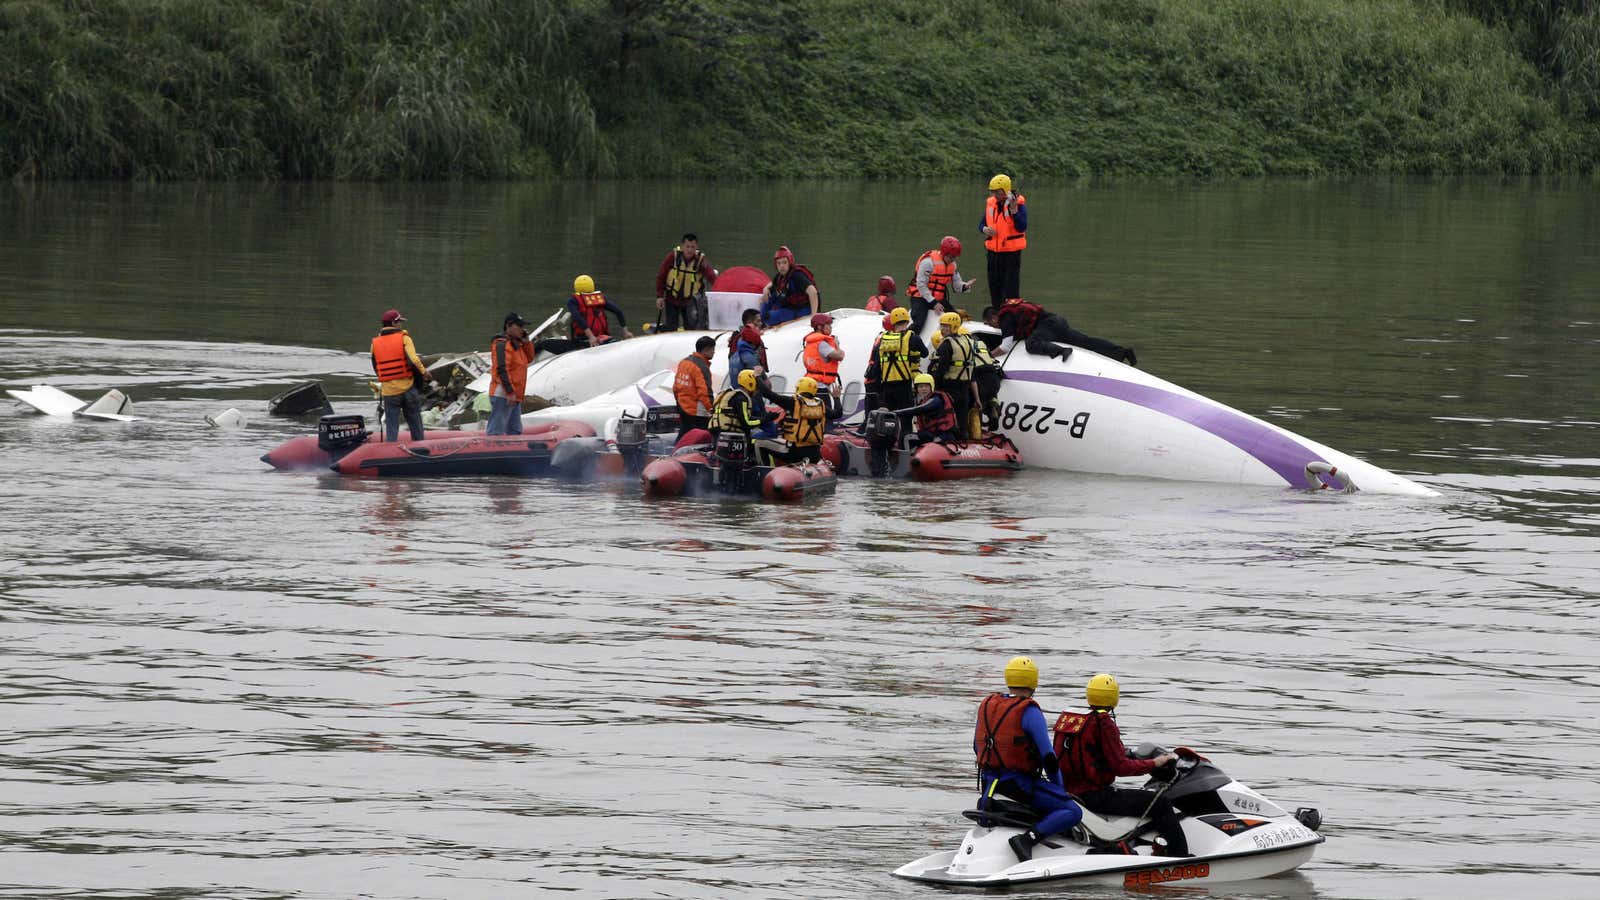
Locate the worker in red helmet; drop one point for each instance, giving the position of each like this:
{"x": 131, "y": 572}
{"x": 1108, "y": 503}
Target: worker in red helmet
{"x": 883, "y": 300}
{"x": 792, "y": 294}
{"x": 935, "y": 279}
{"x": 821, "y": 354}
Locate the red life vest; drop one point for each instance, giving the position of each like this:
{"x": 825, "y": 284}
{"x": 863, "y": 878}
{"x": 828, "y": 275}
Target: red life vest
{"x": 1027, "y": 313}
{"x": 942, "y": 421}
{"x": 389, "y": 356}
{"x": 882, "y": 303}
{"x": 752, "y": 336}
{"x": 999, "y": 741}
{"x": 1006, "y": 237}
{"x": 938, "y": 281}
{"x": 782, "y": 290}
{"x": 591, "y": 315}
{"x": 823, "y": 371}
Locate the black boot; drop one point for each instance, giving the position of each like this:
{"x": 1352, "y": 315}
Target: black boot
{"x": 1129, "y": 357}
{"x": 1022, "y": 845}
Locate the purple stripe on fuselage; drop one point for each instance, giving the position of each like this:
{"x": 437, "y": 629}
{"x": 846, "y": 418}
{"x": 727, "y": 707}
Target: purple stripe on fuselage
{"x": 1278, "y": 452}
{"x": 649, "y": 401}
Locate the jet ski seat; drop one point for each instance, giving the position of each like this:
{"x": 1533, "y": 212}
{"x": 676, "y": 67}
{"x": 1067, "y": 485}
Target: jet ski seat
{"x": 1004, "y": 812}
{"x": 1108, "y": 828}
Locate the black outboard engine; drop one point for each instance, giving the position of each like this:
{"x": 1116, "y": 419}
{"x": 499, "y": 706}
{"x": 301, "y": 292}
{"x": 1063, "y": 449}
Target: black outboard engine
{"x": 339, "y": 435}
{"x": 732, "y": 452}
{"x": 306, "y": 397}
{"x": 633, "y": 434}
{"x": 662, "y": 420}
{"x": 883, "y": 426}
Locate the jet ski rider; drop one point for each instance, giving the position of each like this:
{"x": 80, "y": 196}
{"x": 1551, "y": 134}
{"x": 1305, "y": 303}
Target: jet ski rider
{"x": 1092, "y": 757}
{"x": 1013, "y": 745}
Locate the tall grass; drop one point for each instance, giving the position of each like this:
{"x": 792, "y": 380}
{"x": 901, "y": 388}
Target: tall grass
{"x": 434, "y": 89}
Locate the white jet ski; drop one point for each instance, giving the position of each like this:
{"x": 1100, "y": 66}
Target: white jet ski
{"x": 1234, "y": 833}
{"x": 1084, "y": 413}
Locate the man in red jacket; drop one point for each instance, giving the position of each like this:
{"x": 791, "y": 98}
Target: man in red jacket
{"x": 1092, "y": 758}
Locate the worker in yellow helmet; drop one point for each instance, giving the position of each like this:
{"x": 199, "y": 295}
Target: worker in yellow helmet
{"x": 1093, "y": 757}
{"x": 1005, "y": 231}
{"x": 588, "y": 307}
{"x": 1017, "y": 760}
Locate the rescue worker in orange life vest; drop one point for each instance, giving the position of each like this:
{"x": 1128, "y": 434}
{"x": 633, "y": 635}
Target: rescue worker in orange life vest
{"x": 395, "y": 360}
{"x": 1005, "y": 234}
{"x": 510, "y": 354}
{"x": 935, "y": 414}
{"x": 883, "y": 300}
{"x": 1016, "y": 759}
{"x": 933, "y": 282}
{"x": 1093, "y": 756}
{"x": 588, "y": 308}
{"x": 821, "y": 354}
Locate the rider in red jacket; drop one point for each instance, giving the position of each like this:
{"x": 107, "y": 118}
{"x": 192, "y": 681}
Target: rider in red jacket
{"x": 1092, "y": 758}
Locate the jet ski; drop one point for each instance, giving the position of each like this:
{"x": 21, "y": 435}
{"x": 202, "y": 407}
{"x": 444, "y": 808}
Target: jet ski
{"x": 1234, "y": 832}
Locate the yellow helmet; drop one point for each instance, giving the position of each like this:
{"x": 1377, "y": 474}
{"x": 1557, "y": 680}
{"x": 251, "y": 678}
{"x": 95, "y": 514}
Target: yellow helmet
{"x": 938, "y": 338}
{"x": 953, "y": 319}
{"x": 747, "y": 379}
{"x": 899, "y": 314}
{"x": 1102, "y": 692}
{"x": 1021, "y": 672}
{"x": 583, "y": 284}
{"x": 923, "y": 378}
{"x": 806, "y": 385}
{"x": 1000, "y": 182}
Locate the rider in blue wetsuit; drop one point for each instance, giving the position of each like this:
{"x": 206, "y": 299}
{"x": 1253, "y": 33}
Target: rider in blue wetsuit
{"x": 1016, "y": 758}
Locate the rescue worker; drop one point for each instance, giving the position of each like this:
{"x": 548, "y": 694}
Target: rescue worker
{"x": 1093, "y": 757}
{"x": 588, "y": 308}
{"x": 510, "y": 354}
{"x": 1042, "y": 332}
{"x": 899, "y": 356}
{"x": 681, "y": 284}
{"x": 821, "y": 356}
{"x": 883, "y": 300}
{"x": 792, "y": 293}
{"x": 986, "y": 376}
{"x": 395, "y": 360}
{"x": 1016, "y": 759}
{"x": 805, "y": 424}
{"x": 934, "y": 414}
{"x": 1005, "y": 230}
{"x": 953, "y": 366}
{"x": 738, "y": 410}
{"x": 745, "y": 347}
{"x": 691, "y": 387}
{"x": 933, "y": 281}
{"x": 872, "y": 376}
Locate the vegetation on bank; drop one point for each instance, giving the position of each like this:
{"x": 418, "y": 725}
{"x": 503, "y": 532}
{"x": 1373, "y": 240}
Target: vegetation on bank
{"x": 374, "y": 89}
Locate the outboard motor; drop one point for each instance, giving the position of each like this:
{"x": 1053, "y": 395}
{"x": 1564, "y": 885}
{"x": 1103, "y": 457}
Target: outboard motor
{"x": 662, "y": 420}
{"x": 339, "y": 435}
{"x": 632, "y": 437}
{"x": 883, "y": 426}
{"x": 732, "y": 452}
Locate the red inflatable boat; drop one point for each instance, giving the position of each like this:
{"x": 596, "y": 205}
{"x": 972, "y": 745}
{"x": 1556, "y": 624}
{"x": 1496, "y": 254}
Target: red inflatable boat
{"x": 721, "y": 469}
{"x": 849, "y": 453}
{"x": 343, "y": 444}
{"x": 994, "y": 455}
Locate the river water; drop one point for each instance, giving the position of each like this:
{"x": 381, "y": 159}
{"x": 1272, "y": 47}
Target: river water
{"x": 224, "y": 681}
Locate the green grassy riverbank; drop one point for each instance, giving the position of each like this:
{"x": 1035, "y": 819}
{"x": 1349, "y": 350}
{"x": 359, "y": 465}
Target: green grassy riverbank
{"x": 429, "y": 89}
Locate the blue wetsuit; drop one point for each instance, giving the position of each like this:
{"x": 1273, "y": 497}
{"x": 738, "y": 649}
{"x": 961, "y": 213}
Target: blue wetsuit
{"x": 1045, "y": 795}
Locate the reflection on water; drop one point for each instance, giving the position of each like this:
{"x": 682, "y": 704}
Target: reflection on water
{"x": 223, "y": 681}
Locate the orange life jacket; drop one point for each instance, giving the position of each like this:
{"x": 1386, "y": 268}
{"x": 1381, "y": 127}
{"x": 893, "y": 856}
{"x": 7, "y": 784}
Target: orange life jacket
{"x": 942, "y": 421}
{"x": 938, "y": 281}
{"x": 999, "y": 741}
{"x": 823, "y": 371}
{"x": 518, "y": 356}
{"x": 389, "y": 356}
{"x": 881, "y": 303}
{"x": 1027, "y": 313}
{"x": 591, "y": 316}
{"x": 1006, "y": 237}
